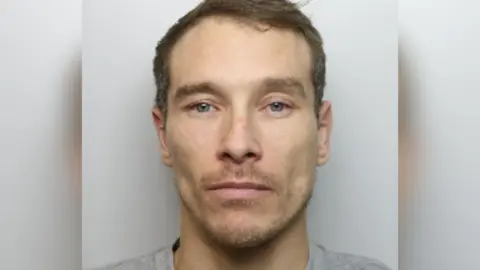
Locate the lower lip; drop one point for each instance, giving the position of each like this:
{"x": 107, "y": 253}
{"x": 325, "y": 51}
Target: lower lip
{"x": 240, "y": 194}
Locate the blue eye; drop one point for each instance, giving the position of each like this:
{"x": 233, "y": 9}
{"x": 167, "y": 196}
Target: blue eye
{"x": 202, "y": 107}
{"x": 276, "y": 106}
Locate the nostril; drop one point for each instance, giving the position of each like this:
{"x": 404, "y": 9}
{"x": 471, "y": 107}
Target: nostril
{"x": 238, "y": 158}
{"x": 252, "y": 156}
{"x": 225, "y": 155}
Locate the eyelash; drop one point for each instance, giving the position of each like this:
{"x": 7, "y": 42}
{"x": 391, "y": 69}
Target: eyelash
{"x": 193, "y": 106}
{"x": 284, "y": 104}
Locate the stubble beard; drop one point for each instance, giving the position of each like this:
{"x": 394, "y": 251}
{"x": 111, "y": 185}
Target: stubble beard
{"x": 233, "y": 239}
{"x": 226, "y": 236}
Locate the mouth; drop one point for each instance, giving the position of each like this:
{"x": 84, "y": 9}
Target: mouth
{"x": 238, "y": 185}
{"x": 239, "y": 190}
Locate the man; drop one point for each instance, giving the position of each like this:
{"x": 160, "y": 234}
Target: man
{"x": 242, "y": 124}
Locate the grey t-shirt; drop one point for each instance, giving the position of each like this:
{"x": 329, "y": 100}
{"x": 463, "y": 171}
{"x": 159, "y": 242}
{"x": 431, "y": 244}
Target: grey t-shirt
{"x": 320, "y": 259}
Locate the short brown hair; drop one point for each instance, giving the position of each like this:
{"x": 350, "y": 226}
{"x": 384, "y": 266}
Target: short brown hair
{"x": 273, "y": 13}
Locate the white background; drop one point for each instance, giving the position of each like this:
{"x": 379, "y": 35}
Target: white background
{"x": 130, "y": 205}
{"x": 40, "y": 135}
{"x": 440, "y": 66}
{"x": 40, "y": 141}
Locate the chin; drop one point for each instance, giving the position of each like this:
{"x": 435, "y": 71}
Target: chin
{"x": 241, "y": 240}
{"x": 244, "y": 233}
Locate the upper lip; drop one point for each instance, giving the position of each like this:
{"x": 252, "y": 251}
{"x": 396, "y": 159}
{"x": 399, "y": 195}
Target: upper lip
{"x": 238, "y": 185}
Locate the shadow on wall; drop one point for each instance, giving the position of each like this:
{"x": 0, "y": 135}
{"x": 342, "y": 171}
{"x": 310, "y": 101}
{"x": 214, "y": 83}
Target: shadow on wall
{"x": 72, "y": 99}
{"x": 410, "y": 120}
{"x": 403, "y": 185}
{"x": 171, "y": 212}
{"x": 69, "y": 128}
{"x": 167, "y": 198}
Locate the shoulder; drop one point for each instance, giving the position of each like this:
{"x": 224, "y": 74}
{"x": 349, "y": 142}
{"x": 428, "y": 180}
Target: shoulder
{"x": 158, "y": 260}
{"x": 343, "y": 261}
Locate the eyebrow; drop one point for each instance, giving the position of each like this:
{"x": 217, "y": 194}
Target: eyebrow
{"x": 195, "y": 89}
{"x": 287, "y": 85}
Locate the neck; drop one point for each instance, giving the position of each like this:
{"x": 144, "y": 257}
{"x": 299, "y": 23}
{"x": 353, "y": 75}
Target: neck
{"x": 288, "y": 251}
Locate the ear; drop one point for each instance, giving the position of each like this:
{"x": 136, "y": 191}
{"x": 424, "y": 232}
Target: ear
{"x": 158, "y": 116}
{"x": 325, "y": 123}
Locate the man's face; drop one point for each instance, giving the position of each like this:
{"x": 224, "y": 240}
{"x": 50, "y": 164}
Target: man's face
{"x": 241, "y": 133}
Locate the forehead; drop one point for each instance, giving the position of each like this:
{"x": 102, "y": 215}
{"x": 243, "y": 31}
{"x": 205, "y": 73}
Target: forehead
{"x": 231, "y": 53}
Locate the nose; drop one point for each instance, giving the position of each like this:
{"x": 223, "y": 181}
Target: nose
{"x": 240, "y": 144}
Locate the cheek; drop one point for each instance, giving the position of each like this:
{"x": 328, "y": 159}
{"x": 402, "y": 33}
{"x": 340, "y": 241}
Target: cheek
{"x": 292, "y": 152}
{"x": 192, "y": 147}
{"x": 290, "y": 142}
